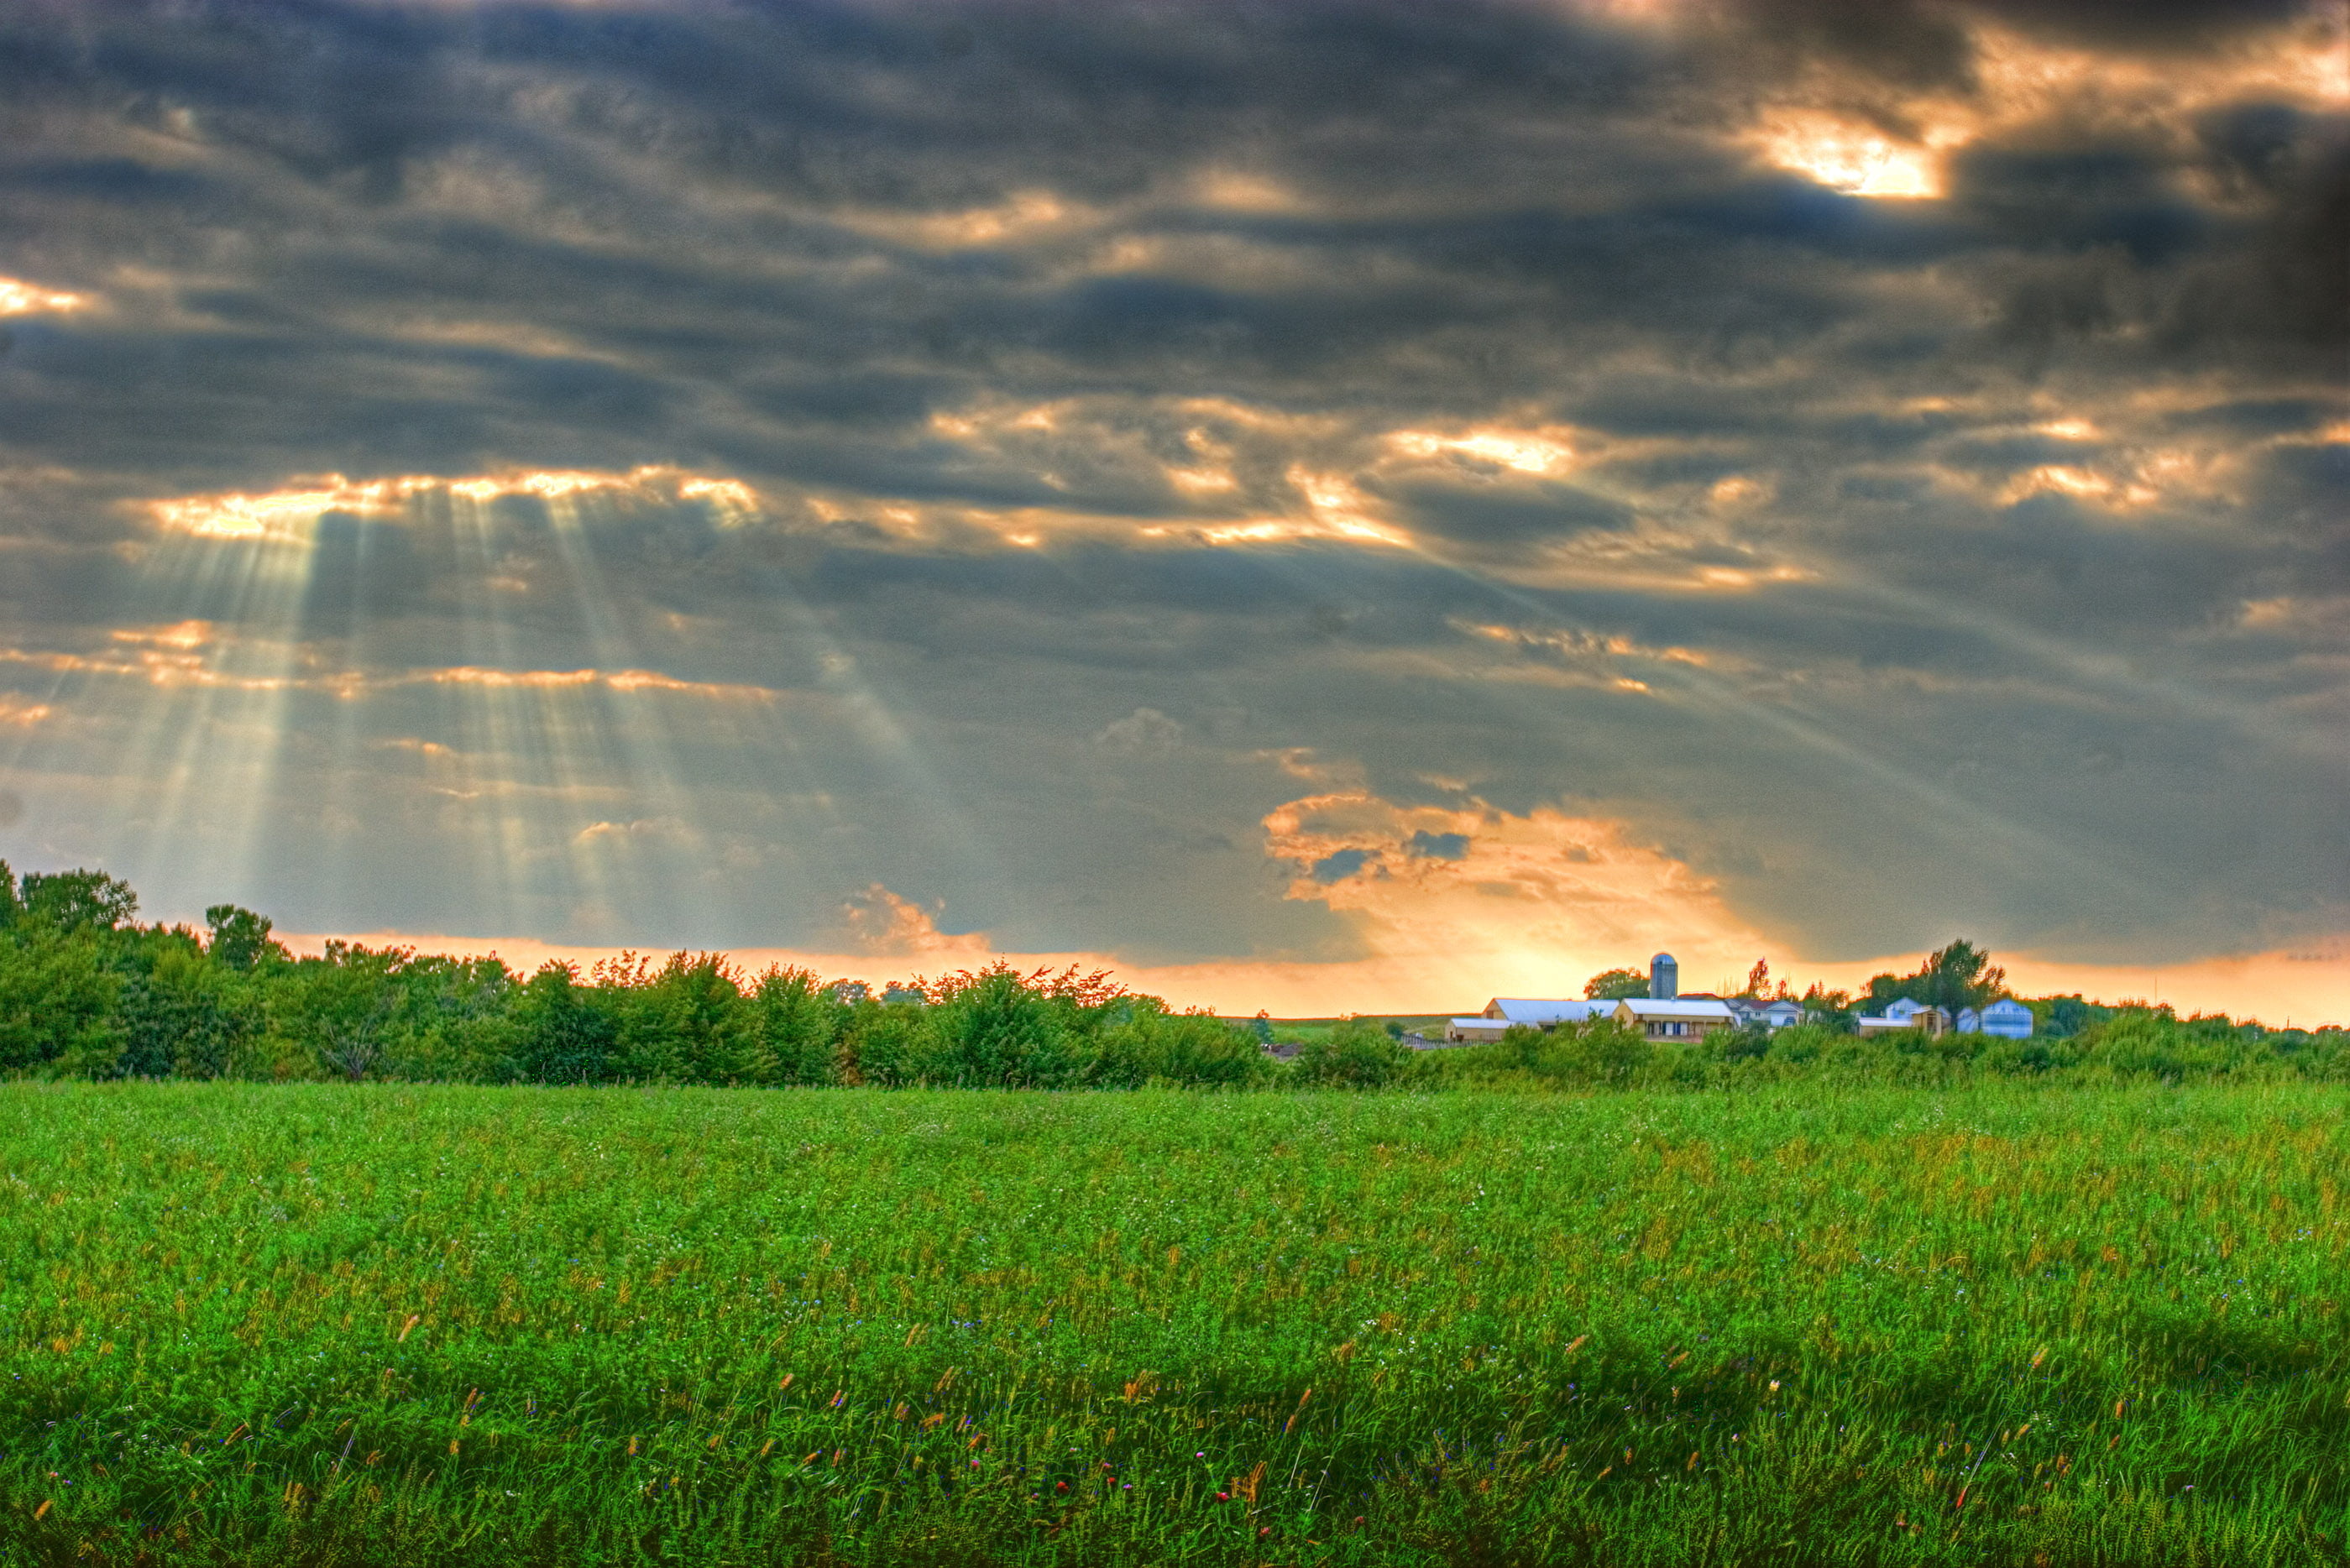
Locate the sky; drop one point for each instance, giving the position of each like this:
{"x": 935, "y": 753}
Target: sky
{"x": 1328, "y": 505}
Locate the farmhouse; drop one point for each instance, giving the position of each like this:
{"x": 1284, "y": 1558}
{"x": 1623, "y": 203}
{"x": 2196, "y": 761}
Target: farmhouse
{"x": 1682, "y": 1018}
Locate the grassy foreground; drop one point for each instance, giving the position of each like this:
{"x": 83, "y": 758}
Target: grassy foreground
{"x": 312, "y": 1324}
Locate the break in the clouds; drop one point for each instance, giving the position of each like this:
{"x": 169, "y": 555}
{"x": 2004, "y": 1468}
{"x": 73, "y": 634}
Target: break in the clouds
{"x": 1293, "y": 484}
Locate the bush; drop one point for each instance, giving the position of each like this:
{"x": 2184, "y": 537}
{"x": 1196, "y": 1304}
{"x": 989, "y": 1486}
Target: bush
{"x": 1152, "y": 1046}
{"x": 1353, "y": 1055}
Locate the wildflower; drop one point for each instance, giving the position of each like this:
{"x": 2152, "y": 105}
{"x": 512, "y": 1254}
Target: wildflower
{"x": 1223, "y": 1497}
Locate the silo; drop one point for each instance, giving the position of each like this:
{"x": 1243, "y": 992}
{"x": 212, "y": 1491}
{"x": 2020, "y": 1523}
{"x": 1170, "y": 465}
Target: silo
{"x": 1664, "y": 978}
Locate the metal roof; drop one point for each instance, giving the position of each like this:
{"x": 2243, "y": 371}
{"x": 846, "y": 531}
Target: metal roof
{"x": 1520, "y": 1010}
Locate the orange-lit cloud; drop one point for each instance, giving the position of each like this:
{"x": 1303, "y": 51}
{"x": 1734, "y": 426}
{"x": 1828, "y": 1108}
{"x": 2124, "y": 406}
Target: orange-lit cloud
{"x": 20, "y": 299}
{"x": 880, "y": 924}
{"x": 2020, "y": 82}
{"x": 616, "y": 680}
{"x": 175, "y": 656}
{"x": 18, "y": 714}
{"x": 1548, "y": 450}
{"x": 288, "y": 514}
{"x": 1852, "y": 156}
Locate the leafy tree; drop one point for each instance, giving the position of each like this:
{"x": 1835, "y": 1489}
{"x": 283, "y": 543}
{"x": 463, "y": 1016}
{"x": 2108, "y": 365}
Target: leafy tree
{"x": 1958, "y": 976}
{"x": 10, "y": 907}
{"x": 2063, "y": 1016}
{"x": 798, "y": 1022}
{"x": 1758, "y": 978}
{"x": 891, "y": 1044}
{"x": 688, "y": 1024}
{"x": 453, "y": 1021}
{"x": 1953, "y": 979}
{"x": 997, "y": 1030}
{"x": 239, "y": 939}
{"x": 58, "y": 1006}
{"x": 1831, "y": 1009}
{"x": 1616, "y": 985}
{"x": 564, "y": 1034}
{"x": 185, "y": 1017}
{"x": 78, "y": 900}
{"x": 340, "y": 1008}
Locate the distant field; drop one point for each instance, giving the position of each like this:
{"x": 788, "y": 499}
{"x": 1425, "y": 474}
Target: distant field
{"x": 317, "y": 1324}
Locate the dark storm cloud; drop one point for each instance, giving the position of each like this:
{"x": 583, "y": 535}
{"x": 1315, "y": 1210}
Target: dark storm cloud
{"x": 1989, "y": 541}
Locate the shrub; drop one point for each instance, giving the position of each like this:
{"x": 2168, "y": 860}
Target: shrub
{"x": 1354, "y": 1056}
{"x": 1196, "y": 1048}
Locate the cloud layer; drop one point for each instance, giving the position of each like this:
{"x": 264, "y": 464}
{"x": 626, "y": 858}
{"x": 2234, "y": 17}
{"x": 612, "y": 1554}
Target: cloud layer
{"x": 1189, "y": 483}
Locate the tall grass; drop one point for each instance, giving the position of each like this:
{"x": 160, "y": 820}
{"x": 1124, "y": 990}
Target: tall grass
{"x": 315, "y": 1324}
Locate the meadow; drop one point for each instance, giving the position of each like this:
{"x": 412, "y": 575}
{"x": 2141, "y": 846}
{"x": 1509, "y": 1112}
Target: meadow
{"x": 384, "y": 1324}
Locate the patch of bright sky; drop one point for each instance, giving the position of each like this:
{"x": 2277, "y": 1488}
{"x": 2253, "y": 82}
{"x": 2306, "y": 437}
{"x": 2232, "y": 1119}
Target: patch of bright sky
{"x": 291, "y": 513}
{"x": 20, "y": 299}
{"x": 2021, "y": 80}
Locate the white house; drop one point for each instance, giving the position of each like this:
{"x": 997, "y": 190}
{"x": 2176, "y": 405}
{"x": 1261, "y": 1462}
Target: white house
{"x": 2006, "y": 1017}
{"x": 1680, "y": 1019}
{"x": 1931, "y": 1021}
{"x": 1770, "y": 1015}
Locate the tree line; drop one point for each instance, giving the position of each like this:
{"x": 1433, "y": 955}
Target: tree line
{"x": 87, "y": 992}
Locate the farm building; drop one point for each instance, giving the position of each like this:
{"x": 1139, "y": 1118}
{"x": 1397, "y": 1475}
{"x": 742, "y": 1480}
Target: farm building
{"x": 1502, "y": 1012}
{"x": 1684, "y": 1018}
{"x": 2005, "y": 1017}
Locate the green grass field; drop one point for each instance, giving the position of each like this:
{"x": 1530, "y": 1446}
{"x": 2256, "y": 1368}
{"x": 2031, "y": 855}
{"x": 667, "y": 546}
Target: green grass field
{"x": 313, "y": 1324}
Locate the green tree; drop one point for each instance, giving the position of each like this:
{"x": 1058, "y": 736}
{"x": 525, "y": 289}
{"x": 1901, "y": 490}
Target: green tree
{"x": 997, "y": 1030}
{"x": 78, "y": 900}
{"x": 1616, "y": 985}
{"x": 239, "y": 939}
{"x": 564, "y": 1033}
{"x": 339, "y": 1008}
{"x": 58, "y": 1006}
{"x": 687, "y": 1023}
{"x": 10, "y": 907}
{"x": 798, "y": 1024}
{"x": 1958, "y": 976}
{"x": 185, "y": 1017}
{"x": 891, "y": 1044}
